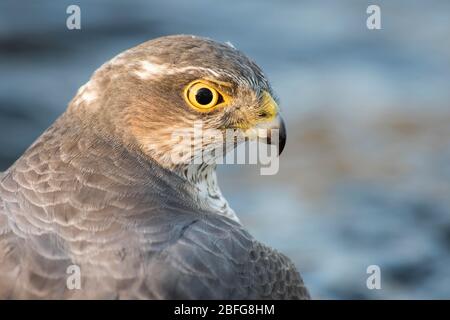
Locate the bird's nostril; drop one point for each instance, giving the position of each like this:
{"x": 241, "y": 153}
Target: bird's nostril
{"x": 263, "y": 114}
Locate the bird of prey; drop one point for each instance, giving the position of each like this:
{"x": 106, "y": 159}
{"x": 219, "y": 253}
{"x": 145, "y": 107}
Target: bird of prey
{"x": 98, "y": 190}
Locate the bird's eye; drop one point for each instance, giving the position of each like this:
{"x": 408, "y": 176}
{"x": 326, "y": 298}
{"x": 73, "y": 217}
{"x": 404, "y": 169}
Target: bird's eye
{"x": 203, "y": 96}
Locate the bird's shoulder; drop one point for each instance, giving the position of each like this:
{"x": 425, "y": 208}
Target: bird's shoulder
{"x": 216, "y": 257}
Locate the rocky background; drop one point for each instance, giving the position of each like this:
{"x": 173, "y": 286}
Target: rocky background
{"x": 365, "y": 177}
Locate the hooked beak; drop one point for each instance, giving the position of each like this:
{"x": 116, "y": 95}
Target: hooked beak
{"x": 278, "y": 124}
{"x": 271, "y": 130}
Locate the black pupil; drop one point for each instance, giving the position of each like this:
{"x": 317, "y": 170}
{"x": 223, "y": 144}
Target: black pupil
{"x": 204, "y": 96}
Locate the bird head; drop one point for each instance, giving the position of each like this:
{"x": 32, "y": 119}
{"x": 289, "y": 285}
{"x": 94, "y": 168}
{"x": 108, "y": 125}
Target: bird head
{"x": 154, "y": 93}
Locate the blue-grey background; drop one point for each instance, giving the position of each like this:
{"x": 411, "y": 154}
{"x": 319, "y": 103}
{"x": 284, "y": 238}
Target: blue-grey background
{"x": 365, "y": 178}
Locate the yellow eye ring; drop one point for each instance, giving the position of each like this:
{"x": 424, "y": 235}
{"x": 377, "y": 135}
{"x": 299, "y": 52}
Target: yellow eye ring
{"x": 202, "y": 95}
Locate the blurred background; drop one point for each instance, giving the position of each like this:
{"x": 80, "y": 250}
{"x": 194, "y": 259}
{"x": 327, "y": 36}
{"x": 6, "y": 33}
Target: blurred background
{"x": 365, "y": 177}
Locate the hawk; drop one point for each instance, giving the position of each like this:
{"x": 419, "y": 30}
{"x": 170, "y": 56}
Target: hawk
{"x": 99, "y": 190}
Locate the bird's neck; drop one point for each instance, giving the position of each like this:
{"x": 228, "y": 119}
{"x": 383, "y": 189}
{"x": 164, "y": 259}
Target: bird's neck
{"x": 201, "y": 178}
{"x": 204, "y": 178}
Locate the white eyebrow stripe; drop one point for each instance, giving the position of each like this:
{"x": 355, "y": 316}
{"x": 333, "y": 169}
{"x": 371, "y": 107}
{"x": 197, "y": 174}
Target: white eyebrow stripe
{"x": 148, "y": 70}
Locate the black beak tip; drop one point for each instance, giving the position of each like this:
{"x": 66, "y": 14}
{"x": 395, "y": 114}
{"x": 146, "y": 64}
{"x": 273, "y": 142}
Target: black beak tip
{"x": 283, "y": 137}
{"x": 281, "y": 141}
